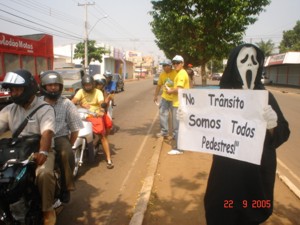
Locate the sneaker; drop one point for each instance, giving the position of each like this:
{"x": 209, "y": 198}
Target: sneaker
{"x": 162, "y": 135}
{"x": 57, "y": 204}
{"x": 175, "y": 152}
{"x": 109, "y": 165}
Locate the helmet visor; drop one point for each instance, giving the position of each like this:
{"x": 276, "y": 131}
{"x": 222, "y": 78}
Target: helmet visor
{"x": 13, "y": 79}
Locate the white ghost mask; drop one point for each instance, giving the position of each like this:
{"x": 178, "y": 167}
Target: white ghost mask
{"x": 247, "y": 66}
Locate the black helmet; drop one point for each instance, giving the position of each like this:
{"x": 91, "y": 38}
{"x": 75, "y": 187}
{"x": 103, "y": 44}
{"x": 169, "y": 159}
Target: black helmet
{"x": 99, "y": 79}
{"x": 86, "y": 79}
{"x": 51, "y": 77}
{"x": 21, "y": 78}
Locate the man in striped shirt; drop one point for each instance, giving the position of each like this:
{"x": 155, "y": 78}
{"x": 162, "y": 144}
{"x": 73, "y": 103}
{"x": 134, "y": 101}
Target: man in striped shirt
{"x": 67, "y": 126}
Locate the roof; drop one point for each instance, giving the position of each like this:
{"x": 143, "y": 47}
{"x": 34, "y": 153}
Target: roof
{"x": 284, "y": 58}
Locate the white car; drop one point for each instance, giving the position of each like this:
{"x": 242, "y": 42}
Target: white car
{"x": 266, "y": 80}
{"x": 72, "y": 80}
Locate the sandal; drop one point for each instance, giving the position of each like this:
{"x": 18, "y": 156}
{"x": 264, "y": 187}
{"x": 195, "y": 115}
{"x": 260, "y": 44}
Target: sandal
{"x": 110, "y": 165}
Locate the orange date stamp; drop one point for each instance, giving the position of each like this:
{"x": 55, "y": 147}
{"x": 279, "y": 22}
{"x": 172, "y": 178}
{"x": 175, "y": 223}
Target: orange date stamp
{"x": 254, "y": 204}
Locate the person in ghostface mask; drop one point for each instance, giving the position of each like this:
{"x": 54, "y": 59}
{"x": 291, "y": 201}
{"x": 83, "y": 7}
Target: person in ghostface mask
{"x": 234, "y": 187}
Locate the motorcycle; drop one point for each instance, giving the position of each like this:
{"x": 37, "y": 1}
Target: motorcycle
{"x": 20, "y": 201}
{"x": 83, "y": 145}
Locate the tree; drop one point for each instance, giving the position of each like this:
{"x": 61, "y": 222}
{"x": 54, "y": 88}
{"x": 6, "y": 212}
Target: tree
{"x": 200, "y": 30}
{"x": 93, "y": 51}
{"x": 217, "y": 65}
{"x": 291, "y": 40}
{"x": 266, "y": 47}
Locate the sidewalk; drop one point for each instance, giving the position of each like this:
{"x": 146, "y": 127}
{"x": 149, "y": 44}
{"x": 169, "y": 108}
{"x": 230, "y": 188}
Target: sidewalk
{"x": 179, "y": 187}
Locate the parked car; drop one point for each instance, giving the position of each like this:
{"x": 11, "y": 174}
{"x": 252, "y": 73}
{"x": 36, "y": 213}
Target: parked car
{"x": 120, "y": 82}
{"x": 266, "y": 80}
{"x": 155, "y": 79}
{"x": 216, "y": 76}
{"x": 72, "y": 80}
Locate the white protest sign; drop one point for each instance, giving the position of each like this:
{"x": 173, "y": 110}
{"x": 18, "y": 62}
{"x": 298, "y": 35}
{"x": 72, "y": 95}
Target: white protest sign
{"x": 223, "y": 122}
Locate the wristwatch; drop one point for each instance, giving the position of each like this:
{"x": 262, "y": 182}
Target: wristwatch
{"x": 45, "y": 153}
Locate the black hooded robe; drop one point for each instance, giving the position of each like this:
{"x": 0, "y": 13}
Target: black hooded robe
{"x": 241, "y": 193}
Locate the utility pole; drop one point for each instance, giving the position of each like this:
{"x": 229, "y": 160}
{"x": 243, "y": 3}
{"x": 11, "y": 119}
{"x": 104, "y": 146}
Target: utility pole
{"x": 86, "y": 38}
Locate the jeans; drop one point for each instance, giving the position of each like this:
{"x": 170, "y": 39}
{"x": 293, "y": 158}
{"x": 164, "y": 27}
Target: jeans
{"x": 175, "y": 122}
{"x": 165, "y": 107}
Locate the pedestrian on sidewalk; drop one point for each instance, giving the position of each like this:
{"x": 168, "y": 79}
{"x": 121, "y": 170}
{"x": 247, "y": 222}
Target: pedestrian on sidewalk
{"x": 181, "y": 81}
{"x": 191, "y": 74}
{"x": 165, "y": 80}
{"x": 241, "y": 193}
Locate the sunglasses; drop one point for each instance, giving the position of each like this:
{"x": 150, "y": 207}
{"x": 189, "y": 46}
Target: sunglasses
{"x": 176, "y": 63}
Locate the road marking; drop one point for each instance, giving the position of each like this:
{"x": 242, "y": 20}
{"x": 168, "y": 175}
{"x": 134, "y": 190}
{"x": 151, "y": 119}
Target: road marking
{"x": 138, "y": 153}
{"x": 123, "y": 185}
{"x": 290, "y": 171}
{"x": 144, "y": 195}
{"x": 287, "y": 181}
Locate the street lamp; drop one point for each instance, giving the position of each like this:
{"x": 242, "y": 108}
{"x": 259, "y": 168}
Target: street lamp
{"x": 104, "y": 17}
{"x": 87, "y": 38}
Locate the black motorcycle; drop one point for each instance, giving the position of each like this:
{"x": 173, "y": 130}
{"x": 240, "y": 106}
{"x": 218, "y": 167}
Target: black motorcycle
{"x": 20, "y": 201}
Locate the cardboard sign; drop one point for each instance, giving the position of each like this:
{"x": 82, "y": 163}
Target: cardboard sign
{"x": 223, "y": 122}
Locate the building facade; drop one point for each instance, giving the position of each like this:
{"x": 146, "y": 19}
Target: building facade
{"x": 284, "y": 68}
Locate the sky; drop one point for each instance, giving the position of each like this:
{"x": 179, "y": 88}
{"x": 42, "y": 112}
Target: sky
{"x": 123, "y": 24}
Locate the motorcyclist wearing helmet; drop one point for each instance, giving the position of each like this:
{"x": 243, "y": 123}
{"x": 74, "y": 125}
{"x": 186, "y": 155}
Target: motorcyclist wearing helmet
{"x": 111, "y": 87}
{"x": 23, "y": 89}
{"x": 100, "y": 83}
{"x": 68, "y": 123}
{"x": 91, "y": 98}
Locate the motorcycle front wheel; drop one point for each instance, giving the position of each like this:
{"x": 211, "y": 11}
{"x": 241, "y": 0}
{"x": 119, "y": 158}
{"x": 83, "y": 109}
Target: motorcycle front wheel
{"x": 77, "y": 155}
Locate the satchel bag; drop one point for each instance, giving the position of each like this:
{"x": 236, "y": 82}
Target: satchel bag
{"x": 20, "y": 147}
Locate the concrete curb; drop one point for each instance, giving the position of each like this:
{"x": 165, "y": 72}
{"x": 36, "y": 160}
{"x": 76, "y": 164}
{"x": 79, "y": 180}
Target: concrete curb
{"x": 142, "y": 202}
{"x": 289, "y": 184}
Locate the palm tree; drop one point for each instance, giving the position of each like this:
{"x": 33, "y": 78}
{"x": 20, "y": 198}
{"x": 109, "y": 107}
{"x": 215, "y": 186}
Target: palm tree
{"x": 267, "y": 47}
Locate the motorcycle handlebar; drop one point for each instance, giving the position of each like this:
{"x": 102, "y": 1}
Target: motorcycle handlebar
{"x": 17, "y": 161}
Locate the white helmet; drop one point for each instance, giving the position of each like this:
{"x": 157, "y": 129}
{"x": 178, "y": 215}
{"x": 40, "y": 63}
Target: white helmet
{"x": 100, "y": 79}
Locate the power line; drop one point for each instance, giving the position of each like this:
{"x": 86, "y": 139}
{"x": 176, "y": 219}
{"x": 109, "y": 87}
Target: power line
{"x": 61, "y": 29}
{"x": 30, "y": 27}
{"x": 40, "y": 24}
{"x": 48, "y": 11}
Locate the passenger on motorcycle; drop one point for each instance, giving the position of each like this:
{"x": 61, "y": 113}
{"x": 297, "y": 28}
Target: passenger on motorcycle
{"x": 68, "y": 124}
{"x": 23, "y": 89}
{"x": 91, "y": 98}
{"x": 110, "y": 87}
{"x": 100, "y": 82}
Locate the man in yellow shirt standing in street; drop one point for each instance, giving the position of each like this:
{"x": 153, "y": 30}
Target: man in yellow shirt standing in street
{"x": 181, "y": 81}
{"x": 166, "y": 80}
